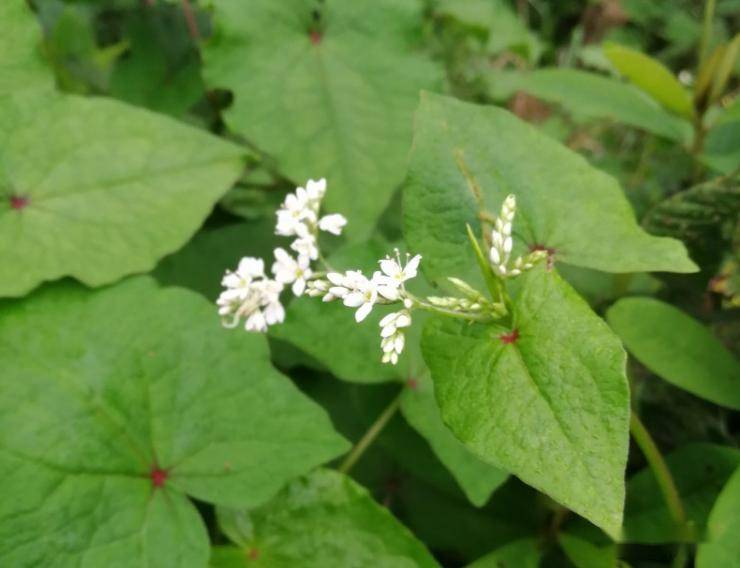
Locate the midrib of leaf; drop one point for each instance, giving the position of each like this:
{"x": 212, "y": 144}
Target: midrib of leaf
{"x": 555, "y": 415}
{"x": 137, "y": 178}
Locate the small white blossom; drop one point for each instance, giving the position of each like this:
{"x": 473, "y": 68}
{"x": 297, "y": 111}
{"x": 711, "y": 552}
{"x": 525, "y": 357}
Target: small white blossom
{"x": 249, "y": 294}
{"x": 333, "y": 223}
{"x": 394, "y": 321}
{"x": 287, "y": 269}
{"x": 294, "y": 214}
{"x": 391, "y": 282}
{"x": 392, "y": 347}
{"x": 306, "y": 246}
{"x": 315, "y": 191}
{"x": 361, "y": 293}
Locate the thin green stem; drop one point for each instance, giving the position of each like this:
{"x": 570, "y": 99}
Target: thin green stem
{"x": 369, "y": 437}
{"x": 706, "y": 33}
{"x": 662, "y": 474}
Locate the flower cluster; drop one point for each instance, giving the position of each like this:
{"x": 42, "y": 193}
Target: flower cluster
{"x": 385, "y": 286}
{"x": 252, "y": 295}
{"x": 502, "y": 244}
{"x": 249, "y": 293}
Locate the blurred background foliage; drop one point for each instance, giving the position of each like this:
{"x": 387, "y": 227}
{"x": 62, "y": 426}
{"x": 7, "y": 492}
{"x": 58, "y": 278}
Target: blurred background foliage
{"x": 548, "y": 62}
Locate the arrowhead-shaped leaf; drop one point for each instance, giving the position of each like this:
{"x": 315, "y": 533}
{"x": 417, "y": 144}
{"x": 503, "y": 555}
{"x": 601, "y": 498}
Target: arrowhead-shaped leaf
{"x": 323, "y": 520}
{"x": 678, "y": 348}
{"x": 328, "y": 89}
{"x": 117, "y": 404}
{"x": 22, "y": 68}
{"x": 96, "y": 189}
{"x": 549, "y": 403}
{"x": 564, "y": 203}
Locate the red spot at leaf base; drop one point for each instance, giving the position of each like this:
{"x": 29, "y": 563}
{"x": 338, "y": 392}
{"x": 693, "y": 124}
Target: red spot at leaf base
{"x": 508, "y": 338}
{"x": 253, "y": 554}
{"x": 19, "y": 202}
{"x": 412, "y": 383}
{"x": 159, "y": 476}
{"x": 316, "y": 37}
{"x": 550, "y": 253}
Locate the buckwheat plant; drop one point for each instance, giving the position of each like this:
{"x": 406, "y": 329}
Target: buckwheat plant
{"x": 251, "y": 295}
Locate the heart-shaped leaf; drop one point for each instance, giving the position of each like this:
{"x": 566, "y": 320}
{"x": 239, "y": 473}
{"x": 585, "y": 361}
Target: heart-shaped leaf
{"x": 326, "y": 88}
{"x": 325, "y": 519}
{"x": 468, "y": 157}
{"x": 546, "y": 400}
{"x": 117, "y": 404}
{"x": 96, "y": 189}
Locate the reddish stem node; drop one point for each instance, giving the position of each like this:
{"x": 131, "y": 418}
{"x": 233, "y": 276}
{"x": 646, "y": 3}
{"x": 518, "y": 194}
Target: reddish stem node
{"x": 159, "y": 476}
{"x": 316, "y": 37}
{"x": 19, "y": 202}
{"x": 508, "y": 338}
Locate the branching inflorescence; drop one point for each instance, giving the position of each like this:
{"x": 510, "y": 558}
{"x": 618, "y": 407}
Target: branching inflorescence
{"x": 252, "y": 295}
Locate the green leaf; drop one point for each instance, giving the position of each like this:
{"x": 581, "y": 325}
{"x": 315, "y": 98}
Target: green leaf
{"x": 651, "y": 76}
{"x": 700, "y": 471}
{"x": 563, "y": 202}
{"x": 108, "y": 189}
{"x": 329, "y": 333}
{"x": 723, "y": 547}
{"x": 524, "y": 553}
{"x": 590, "y": 96}
{"x": 722, "y": 145}
{"x": 325, "y": 519}
{"x": 703, "y": 216}
{"x": 678, "y": 348}
{"x": 22, "y": 67}
{"x": 476, "y": 478}
{"x": 327, "y": 89}
{"x": 551, "y": 407}
{"x": 161, "y": 70}
{"x": 104, "y": 392}
{"x": 585, "y": 554}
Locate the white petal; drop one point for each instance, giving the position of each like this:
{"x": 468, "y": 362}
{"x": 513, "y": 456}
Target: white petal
{"x": 299, "y": 286}
{"x": 332, "y": 223}
{"x": 353, "y": 299}
{"x": 274, "y": 313}
{"x": 282, "y": 256}
{"x": 389, "y": 292}
{"x": 400, "y": 342}
{"x": 388, "y": 319}
{"x": 388, "y": 330}
{"x": 363, "y": 312}
{"x": 403, "y": 320}
{"x": 412, "y": 266}
{"x": 508, "y": 244}
{"x": 390, "y": 267}
{"x": 335, "y": 278}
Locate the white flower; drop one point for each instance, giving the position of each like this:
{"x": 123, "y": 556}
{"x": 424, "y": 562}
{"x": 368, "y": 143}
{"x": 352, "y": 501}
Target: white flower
{"x": 286, "y": 270}
{"x": 247, "y": 293}
{"x": 361, "y": 293}
{"x": 332, "y": 223}
{"x": 315, "y": 191}
{"x": 294, "y": 213}
{"x": 239, "y": 280}
{"x": 391, "y": 282}
{"x": 306, "y": 246}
